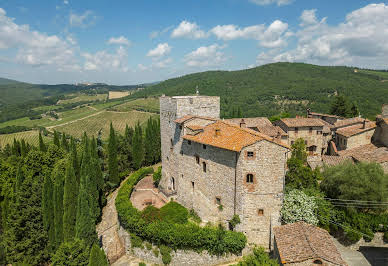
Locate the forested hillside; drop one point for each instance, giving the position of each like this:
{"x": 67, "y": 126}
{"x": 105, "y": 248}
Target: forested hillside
{"x": 281, "y": 87}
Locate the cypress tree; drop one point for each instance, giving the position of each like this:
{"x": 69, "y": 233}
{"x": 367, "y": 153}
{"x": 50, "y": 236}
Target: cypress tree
{"x": 137, "y": 147}
{"x": 48, "y": 210}
{"x": 64, "y": 143}
{"x": 42, "y": 146}
{"x": 69, "y": 202}
{"x": 74, "y": 159}
{"x": 23, "y": 148}
{"x": 19, "y": 178}
{"x": 56, "y": 139}
{"x": 148, "y": 140}
{"x": 59, "y": 177}
{"x": 112, "y": 157}
{"x": 97, "y": 257}
{"x": 16, "y": 147}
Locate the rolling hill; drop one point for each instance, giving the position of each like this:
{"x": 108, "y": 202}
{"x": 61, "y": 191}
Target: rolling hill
{"x": 281, "y": 87}
{"x": 4, "y": 81}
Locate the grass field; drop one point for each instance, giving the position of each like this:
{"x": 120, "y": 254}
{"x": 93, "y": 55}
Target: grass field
{"x": 148, "y": 104}
{"x": 381, "y": 74}
{"x": 93, "y": 124}
{"x": 31, "y": 137}
{"x": 84, "y": 97}
{"x": 118, "y": 94}
{"x": 44, "y": 122}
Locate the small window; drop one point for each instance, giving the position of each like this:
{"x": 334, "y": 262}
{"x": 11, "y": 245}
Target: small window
{"x": 218, "y": 200}
{"x": 260, "y": 212}
{"x": 250, "y": 154}
{"x": 204, "y": 166}
{"x": 204, "y": 146}
{"x": 317, "y": 262}
{"x": 319, "y": 132}
{"x": 249, "y": 178}
{"x": 197, "y": 159}
{"x": 310, "y": 130}
{"x": 191, "y": 100}
{"x": 296, "y": 130}
{"x": 180, "y": 127}
{"x": 189, "y": 142}
{"x": 192, "y": 185}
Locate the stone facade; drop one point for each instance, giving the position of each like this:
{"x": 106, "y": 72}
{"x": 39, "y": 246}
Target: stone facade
{"x": 212, "y": 180}
{"x": 350, "y": 142}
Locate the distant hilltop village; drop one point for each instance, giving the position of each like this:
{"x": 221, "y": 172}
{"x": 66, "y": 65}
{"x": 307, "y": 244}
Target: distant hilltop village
{"x": 223, "y": 168}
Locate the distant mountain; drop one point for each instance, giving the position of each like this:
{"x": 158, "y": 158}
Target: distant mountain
{"x": 281, "y": 87}
{"x": 4, "y": 81}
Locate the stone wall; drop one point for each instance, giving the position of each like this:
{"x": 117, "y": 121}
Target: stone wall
{"x": 259, "y": 204}
{"x": 360, "y": 139}
{"x": 179, "y": 257}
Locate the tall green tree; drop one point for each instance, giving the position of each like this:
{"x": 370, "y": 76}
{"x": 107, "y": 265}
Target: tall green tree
{"x": 72, "y": 253}
{"x": 149, "y": 139}
{"x": 42, "y": 146}
{"x": 64, "y": 143}
{"x": 23, "y": 148}
{"x": 137, "y": 147}
{"x": 59, "y": 179}
{"x": 70, "y": 196}
{"x": 97, "y": 257}
{"x": 56, "y": 139}
{"x": 74, "y": 159}
{"x": 112, "y": 157}
{"x": 48, "y": 211}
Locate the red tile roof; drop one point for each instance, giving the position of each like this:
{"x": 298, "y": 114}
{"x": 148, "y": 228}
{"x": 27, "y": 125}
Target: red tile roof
{"x": 359, "y": 149}
{"x": 302, "y": 122}
{"x": 355, "y": 129}
{"x": 262, "y": 124}
{"x": 229, "y": 136}
{"x": 379, "y": 155}
{"x": 194, "y": 127}
{"x": 327, "y": 115}
{"x": 189, "y": 117}
{"x": 349, "y": 121}
{"x": 300, "y": 241}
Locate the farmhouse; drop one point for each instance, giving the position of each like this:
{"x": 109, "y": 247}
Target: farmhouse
{"x": 221, "y": 169}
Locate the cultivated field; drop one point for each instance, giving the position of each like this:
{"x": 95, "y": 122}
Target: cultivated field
{"x": 381, "y": 74}
{"x": 83, "y": 98}
{"x": 149, "y": 105}
{"x": 118, "y": 94}
{"x": 31, "y": 137}
{"x": 93, "y": 124}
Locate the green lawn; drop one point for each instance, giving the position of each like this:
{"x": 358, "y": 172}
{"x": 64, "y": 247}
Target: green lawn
{"x": 150, "y": 104}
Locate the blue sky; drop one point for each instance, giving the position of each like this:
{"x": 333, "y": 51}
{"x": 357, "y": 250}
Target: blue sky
{"x": 129, "y": 42}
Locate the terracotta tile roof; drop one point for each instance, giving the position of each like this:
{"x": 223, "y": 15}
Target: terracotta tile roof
{"x": 379, "y": 155}
{"x": 302, "y": 122}
{"x": 260, "y": 124}
{"x": 189, "y": 117}
{"x": 229, "y": 137}
{"x": 194, "y": 127}
{"x": 327, "y": 115}
{"x": 355, "y": 129}
{"x": 349, "y": 121}
{"x": 300, "y": 241}
{"x": 357, "y": 150}
{"x": 315, "y": 161}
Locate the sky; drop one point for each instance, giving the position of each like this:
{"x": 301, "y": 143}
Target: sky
{"x": 126, "y": 42}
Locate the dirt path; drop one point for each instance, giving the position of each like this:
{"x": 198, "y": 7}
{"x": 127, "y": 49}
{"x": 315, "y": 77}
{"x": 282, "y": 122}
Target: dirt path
{"x": 107, "y": 230}
{"x": 72, "y": 121}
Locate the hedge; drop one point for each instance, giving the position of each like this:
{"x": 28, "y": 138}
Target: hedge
{"x": 216, "y": 241}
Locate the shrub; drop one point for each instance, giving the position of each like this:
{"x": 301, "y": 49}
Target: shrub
{"x": 156, "y": 252}
{"x": 142, "y": 264}
{"x": 235, "y": 221}
{"x": 298, "y": 206}
{"x": 136, "y": 242}
{"x": 194, "y": 217}
{"x": 182, "y": 236}
{"x": 71, "y": 253}
{"x": 173, "y": 212}
{"x": 258, "y": 257}
{"x": 165, "y": 252}
{"x": 148, "y": 246}
{"x": 157, "y": 176}
{"x": 151, "y": 214}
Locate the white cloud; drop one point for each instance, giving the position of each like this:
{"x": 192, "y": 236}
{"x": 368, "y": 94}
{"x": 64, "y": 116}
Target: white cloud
{"x": 270, "y": 2}
{"x": 156, "y": 34}
{"x": 102, "y": 60}
{"x": 66, "y": 2}
{"x": 362, "y": 39}
{"x": 162, "y": 63}
{"x": 35, "y": 48}
{"x": 188, "y": 30}
{"x": 160, "y": 50}
{"x": 274, "y": 35}
{"x": 87, "y": 19}
{"x": 119, "y": 40}
{"x": 205, "y": 56}
{"x": 142, "y": 67}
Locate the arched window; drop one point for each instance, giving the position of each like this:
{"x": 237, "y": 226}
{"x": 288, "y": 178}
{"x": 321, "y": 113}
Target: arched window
{"x": 249, "y": 178}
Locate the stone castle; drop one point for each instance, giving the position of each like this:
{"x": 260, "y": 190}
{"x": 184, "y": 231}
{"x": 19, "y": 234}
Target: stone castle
{"x": 221, "y": 169}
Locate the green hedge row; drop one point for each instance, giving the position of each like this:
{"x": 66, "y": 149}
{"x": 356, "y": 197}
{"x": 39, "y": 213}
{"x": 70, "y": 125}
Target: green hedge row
{"x": 177, "y": 236}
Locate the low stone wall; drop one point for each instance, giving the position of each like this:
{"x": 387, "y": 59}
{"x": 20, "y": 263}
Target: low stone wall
{"x": 179, "y": 257}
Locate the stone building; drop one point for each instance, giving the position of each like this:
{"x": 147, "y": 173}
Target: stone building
{"x": 355, "y": 135}
{"x": 300, "y": 244}
{"x": 331, "y": 119}
{"x": 314, "y": 131}
{"x": 221, "y": 169}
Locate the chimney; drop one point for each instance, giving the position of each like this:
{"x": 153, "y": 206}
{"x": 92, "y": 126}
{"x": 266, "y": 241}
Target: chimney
{"x": 242, "y": 124}
{"x": 308, "y": 112}
{"x": 364, "y": 123}
{"x": 218, "y": 132}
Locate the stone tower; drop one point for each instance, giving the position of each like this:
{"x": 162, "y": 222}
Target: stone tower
{"x": 172, "y": 108}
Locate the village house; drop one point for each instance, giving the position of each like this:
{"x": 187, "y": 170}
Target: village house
{"x": 221, "y": 169}
{"x": 302, "y": 244}
{"x": 313, "y": 131}
{"x": 355, "y": 135}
